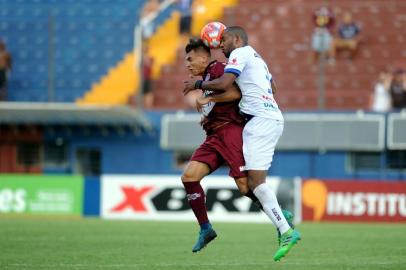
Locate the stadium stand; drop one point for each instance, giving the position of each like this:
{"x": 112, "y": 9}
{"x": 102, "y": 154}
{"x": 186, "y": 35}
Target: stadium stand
{"x": 281, "y": 31}
{"x": 67, "y": 44}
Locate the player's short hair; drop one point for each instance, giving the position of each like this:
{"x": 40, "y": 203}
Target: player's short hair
{"x": 196, "y": 44}
{"x": 238, "y": 31}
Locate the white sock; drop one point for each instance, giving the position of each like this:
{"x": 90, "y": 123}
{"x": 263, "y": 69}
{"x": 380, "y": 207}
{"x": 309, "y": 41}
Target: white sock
{"x": 271, "y": 207}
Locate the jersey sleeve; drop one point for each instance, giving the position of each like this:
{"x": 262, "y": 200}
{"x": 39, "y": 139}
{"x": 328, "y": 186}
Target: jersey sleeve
{"x": 236, "y": 62}
{"x": 217, "y": 70}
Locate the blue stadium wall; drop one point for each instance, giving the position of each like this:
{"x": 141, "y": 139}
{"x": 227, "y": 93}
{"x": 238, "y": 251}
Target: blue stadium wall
{"x": 140, "y": 153}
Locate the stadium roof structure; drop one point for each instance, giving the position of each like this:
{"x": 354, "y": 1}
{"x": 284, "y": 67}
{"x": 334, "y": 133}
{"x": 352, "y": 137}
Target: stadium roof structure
{"x": 24, "y": 113}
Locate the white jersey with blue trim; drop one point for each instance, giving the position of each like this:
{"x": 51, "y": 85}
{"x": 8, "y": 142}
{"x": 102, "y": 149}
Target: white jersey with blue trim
{"x": 254, "y": 80}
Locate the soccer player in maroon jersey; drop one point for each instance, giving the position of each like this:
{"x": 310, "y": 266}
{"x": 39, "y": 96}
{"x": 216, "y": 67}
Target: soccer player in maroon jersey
{"x": 223, "y": 125}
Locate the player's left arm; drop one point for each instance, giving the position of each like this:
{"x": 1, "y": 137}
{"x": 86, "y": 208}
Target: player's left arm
{"x": 273, "y": 85}
{"x": 224, "y": 83}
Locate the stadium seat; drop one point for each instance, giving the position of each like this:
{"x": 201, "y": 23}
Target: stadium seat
{"x": 290, "y": 32}
{"x": 83, "y": 33}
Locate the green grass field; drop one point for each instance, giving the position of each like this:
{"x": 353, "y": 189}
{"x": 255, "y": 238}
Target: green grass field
{"x": 62, "y": 243}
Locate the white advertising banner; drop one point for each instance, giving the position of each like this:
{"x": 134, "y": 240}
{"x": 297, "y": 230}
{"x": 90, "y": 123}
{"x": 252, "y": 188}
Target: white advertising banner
{"x": 162, "y": 197}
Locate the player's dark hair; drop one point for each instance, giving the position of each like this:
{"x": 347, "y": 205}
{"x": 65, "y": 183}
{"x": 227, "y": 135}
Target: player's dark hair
{"x": 238, "y": 31}
{"x": 196, "y": 44}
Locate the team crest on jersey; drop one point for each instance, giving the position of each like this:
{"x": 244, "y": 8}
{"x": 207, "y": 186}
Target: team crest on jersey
{"x": 233, "y": 62}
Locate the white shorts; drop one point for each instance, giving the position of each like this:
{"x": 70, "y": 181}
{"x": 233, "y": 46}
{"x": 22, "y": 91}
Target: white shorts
{"x": 260, "y": 136}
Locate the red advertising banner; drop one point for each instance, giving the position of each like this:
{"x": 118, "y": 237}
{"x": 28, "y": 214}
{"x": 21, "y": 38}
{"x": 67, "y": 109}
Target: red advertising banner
{"x": 364, "y": 201}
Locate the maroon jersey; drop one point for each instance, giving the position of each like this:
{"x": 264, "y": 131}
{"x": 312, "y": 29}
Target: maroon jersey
{"x": 218, "y": 114}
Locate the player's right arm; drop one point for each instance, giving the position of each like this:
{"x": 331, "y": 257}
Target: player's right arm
{"x": 237, "y": 61}
{"x": 220, "y": 84}
{"x": 231, "y": 94}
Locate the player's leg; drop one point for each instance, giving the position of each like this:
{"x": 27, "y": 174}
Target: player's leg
{"x": 231, "y": 151}
{"x": 203, "y": 161}
{"x": 193, "y": 174}
{"x": 260, "y": 137}
{"x": 242, "y": 184}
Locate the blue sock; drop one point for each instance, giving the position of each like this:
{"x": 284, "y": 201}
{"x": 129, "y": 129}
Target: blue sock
{"x": 205, "y": 226}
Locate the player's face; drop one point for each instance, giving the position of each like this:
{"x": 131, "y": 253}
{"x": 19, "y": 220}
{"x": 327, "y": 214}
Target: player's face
{"x": 227, "y": 44}
{"x": 196, "y": 62}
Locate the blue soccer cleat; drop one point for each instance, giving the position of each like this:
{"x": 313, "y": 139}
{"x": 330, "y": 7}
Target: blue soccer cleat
{"x": 205, "y": 237}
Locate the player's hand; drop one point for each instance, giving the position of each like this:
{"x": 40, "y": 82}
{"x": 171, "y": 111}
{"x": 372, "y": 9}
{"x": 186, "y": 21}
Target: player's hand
{"x": 200, "y": 102}
{"x": 188, "y": 86}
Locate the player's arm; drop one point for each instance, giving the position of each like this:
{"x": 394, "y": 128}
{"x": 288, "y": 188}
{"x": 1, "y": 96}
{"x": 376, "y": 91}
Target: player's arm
{"x": 231, "y": 94}
{"x": 273, "y": 85}
{"x": 224, "y": 83}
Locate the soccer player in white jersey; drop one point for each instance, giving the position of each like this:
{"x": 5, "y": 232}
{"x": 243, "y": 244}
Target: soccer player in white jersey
{"x": 265, "y": 122}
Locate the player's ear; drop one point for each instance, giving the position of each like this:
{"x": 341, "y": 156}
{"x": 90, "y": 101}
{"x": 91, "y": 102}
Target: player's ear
{"x": 206, "y": 57}
{"x": 237, "y": 39}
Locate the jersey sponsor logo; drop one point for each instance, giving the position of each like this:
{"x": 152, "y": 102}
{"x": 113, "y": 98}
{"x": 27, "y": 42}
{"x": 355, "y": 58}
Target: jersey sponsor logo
{"x": 270, "y": 105}
{"x": 354, "y": 201}
{"x": 270, "y": 102}
{"x": 270, "y": 98}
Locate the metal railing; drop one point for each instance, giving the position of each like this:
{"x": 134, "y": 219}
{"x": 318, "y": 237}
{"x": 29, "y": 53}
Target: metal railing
{"x": 148, "y": 22}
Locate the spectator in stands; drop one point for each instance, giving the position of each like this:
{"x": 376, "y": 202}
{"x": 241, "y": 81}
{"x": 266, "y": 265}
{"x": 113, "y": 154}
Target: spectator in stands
{"x": 397, "y": 89}
{"x": 5, "y": 67}
{"x": 381, "y": 99}
{"x": 348, "y": 37}
{"x": 323, "y": 19}
{"x": 150, "y": 7}
{"x": 185, "y": 7}
{"x": 147, "y": 63}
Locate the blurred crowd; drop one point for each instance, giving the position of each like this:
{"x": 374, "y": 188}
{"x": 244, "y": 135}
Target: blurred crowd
{"x": 389, "y": 91}
{"x": 326, "y": 41}
{"x": 331, "y": 38}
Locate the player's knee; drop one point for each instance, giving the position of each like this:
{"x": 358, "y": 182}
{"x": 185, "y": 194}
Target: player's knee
{"x": 242, "y": 184}
{"x": 244, "y": 190}
{"x": 190, "y": 176}
{"x": 252, "y": 185}
{"x": 187, "y": 177}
